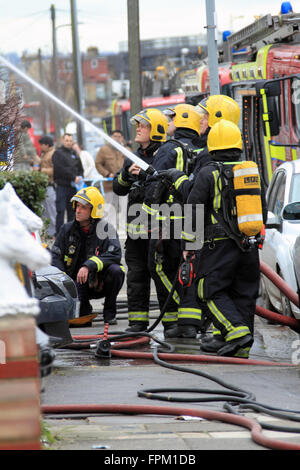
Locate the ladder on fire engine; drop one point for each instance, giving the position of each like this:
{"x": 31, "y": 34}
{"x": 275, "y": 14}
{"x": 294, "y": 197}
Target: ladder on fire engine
{"x": 266, "y": 30}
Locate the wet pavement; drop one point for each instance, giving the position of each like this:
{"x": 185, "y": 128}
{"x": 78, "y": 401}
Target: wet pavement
{"x": 78, "y": 377}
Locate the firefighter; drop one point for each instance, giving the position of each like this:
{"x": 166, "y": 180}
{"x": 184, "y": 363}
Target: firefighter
{"x": 212, "y": 109}
{"x": 151, "y": 131}
{"x": 165, "y": 253}
{"x": 228, "y": 278}
{"x": 88, "y": 250}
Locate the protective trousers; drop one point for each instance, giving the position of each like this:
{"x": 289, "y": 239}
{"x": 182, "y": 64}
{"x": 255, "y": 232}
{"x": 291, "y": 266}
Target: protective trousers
{"x": 189, "y": 312}
{"x": 138, "y": 279}
{"x": 109, "y": 285}
{"x": 164, "y": 259}
{"x": 229, "y": 286}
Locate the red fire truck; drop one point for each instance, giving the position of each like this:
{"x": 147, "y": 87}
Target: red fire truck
{"x": 266, "y": 83}
{"x": 120, "y": 111}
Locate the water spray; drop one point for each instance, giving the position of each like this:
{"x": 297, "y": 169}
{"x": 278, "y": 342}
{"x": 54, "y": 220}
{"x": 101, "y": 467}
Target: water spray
{"x": 134, "y": 158}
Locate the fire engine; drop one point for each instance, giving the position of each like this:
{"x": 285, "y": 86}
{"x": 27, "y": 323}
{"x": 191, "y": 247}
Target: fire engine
{"x": 265, "y": 58}
{"x": 120, "y": 111}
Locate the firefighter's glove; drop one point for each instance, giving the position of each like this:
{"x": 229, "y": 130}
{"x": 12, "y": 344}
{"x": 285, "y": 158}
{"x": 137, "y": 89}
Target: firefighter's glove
{"x": 172, "y": 174}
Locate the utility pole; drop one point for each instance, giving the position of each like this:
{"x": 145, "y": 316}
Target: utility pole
{"x": 212, "y": 47}
{"x": 55, "y": 73}
{"x": 134, "y": 55}
{"x": 77, "y": 73}
{"x": 42, "y": 82}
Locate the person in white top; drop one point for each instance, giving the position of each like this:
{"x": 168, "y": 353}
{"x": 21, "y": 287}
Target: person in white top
{"x": 89, "y": 169}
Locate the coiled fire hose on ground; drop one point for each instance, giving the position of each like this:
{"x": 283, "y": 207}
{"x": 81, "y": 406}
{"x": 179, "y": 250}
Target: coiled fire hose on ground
{"x": 234, "y": 401}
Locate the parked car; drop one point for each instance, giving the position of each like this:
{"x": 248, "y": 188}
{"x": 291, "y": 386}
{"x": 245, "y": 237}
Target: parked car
{"x": 58, "y": 299}
{"x": 282, "y": 229}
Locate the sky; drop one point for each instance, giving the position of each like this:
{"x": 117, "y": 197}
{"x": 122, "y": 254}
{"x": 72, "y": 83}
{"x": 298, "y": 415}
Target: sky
{"x": 26, "y": 25}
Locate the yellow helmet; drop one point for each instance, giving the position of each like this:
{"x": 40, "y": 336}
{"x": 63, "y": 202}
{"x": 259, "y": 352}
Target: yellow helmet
{"x": 224, "y": 135}
{"x": 90, "y": 196}
{"x": 187, "y": 116}
{"x": 220, "y": 107}
{"x": 156, "y": 119}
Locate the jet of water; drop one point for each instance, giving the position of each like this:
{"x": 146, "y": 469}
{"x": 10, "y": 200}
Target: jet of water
{"x": 134, "y": 158}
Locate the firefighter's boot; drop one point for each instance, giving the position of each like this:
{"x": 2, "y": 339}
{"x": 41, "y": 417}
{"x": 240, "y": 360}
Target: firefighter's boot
{"x": 212, "y": 344}
{"x": 231, "y": 347}
{"x": 171, "y": 330}
{"x": 188, "y": 331}
{"x": 137, "y": 326}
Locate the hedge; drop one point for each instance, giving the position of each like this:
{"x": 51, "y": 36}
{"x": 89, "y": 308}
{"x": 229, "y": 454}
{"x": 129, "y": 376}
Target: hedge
{"x": 30, "y": 186}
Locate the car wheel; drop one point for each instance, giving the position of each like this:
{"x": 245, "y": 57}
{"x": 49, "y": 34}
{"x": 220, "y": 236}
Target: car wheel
{"x": 285, "y": 302}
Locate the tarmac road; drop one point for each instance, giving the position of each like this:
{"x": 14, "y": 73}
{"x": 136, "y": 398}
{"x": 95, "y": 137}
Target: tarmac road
{"x": 78, "y": 377}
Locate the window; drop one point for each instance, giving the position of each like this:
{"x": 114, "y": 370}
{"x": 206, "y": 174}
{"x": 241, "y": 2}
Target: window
{"x": 276, "y": 193}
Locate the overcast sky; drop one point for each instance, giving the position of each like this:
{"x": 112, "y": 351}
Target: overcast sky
{"x": 26, "y": 25}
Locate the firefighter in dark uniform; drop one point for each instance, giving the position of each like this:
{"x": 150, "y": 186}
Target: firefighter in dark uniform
{"x": 212, "y": 109}
{"x": 228, "y": 277}
{"x": 150, "y": 134}
{"x": 88, "y": 250}
{"x": 165, "y": 253}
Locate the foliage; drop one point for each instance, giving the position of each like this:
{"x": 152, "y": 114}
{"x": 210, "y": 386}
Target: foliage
{"x": 30, "y": 186}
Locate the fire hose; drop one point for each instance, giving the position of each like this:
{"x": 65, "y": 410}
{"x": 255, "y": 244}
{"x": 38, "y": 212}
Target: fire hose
{"x": 235, "y": 396}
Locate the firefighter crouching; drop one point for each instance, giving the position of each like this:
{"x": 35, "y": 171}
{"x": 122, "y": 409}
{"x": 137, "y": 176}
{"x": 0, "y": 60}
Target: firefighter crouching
{"x": 182, "y": 316}
{"x": 151, "y": 131}
{"x": 228, "y": 277}
{"x": 88, "y": 256}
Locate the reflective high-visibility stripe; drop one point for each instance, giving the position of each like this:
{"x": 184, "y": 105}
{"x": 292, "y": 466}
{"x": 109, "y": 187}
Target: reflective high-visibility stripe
{"x": 166, "y": 282}
{"x": 138, "y": 316}
{"x": 149, "y": 209}
{"x": 238, "y": 332}
{"x": 195, "y": 313}
{"x": 217, "y": 196}
{"x": 245, "y": 172}
{"x": 169, "y": 317}
{"x": 232, "y": 332}
{"x": 180, "y": 180}
{"x": 122, "y": 268}
{"x": 179, "y": 161}
{"x": 121, "y": 181}
{"x": 249, "y": 218}
{"x": 98, "y": 262}
{"x": 136, "y": 229}
{"x": 189, "y": 237}
{"x": 200, "y": 288}
{"x": 219, "y": 316}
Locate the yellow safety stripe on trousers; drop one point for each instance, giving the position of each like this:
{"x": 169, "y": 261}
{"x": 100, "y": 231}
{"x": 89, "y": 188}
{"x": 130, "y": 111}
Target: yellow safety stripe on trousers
{"x": 121, "y": 181}
{"x": 138, "y": 316}
{"x": 242, "y": 353}
{"x": 149, "y": 209}
{"x": 217, "y": 196}
{"x": 169, "y": 317}
{"x": 122, "y": 268}
{"x": 135, "y": 229}
{"x": 179, "y": 161}
{"x": 166, "y": 282}
{"x": 180, "y": 180}
{"x": 98, "y": 262}
{"x": 219, "y": 316}
{"x": 195, "y": 313}
{"x": 238, "y": 332}
{"x": 233, "y": 332}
